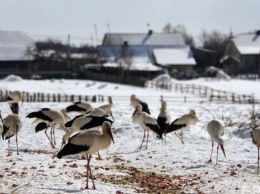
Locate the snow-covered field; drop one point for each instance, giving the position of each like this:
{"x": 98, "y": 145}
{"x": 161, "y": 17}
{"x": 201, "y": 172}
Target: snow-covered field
{"x": 170, "y": 168}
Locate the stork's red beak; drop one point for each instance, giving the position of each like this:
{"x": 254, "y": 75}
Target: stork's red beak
{"x": 111, "y": 135}
{"x": 223, "y": 150}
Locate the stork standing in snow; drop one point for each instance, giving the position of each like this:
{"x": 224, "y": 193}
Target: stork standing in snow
{"x": 164, "y": 118}
{"x": 216, "y": 130}
{"x": 88, "y": 143}
{"x": 84, "y": 123}
{"x": 13, "y": 100}
{"x": 147, "y": 123}
{"x": 47, "y": 117}
{"x": 255, "y": 134}
{"x": 80, "y": 107}
{"x": 182, "y": 123}
{"x": 12, "y": 124}
{"x": 135, "y": 101}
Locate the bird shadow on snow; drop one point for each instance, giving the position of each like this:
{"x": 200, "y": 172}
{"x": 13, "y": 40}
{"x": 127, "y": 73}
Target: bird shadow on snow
{"x": 196, "y": 166}
{"x": 131, "y": 152}
{"x": 63, "y": 190}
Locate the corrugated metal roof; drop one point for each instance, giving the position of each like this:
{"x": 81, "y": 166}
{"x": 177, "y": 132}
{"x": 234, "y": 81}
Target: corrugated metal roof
{"x": 143, "y": 39}
{"x": 13, "y": 46}
{"x": 247, "y": 43}
{"x": 174, "y": 56}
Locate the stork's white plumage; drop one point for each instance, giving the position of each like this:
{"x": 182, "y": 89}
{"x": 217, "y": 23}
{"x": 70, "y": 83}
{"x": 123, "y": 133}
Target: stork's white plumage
{"x": 12, "y": 124}
{"x": 88, "y": 143}
{"x": 47, "y": 117}
{"x": 135, "y": 101}
{"x": 256, "y": 140}
{"x": 216, "y": 129}
{"x": 80, "y": 107}
{"x": 182, "y": 123}
{"x": 13, "y": 99}
{"x": 147, "y": 123}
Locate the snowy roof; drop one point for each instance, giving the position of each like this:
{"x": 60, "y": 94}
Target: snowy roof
{"x": 143, "y": 39}
{"x": 174, "y": 56}
{"x": 139, "y": 66}
{"x": 13, "y": 46}
{"x": 247, "y": 43}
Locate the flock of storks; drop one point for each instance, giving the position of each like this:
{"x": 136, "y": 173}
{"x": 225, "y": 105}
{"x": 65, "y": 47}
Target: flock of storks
{"x": 90, "y": 131}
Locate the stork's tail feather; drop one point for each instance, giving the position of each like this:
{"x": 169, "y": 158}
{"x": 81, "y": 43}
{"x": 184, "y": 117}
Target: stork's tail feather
{"x": 40, "y": 126}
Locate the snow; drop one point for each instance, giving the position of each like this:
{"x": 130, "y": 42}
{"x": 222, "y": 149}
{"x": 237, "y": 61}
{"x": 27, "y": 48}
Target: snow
{"x": 174, "y": 56}
{"x": 37, "y": 170}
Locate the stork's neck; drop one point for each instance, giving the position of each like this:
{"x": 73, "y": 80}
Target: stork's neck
{"x": 219, "y": 140}
{"x": 64, "y": 128}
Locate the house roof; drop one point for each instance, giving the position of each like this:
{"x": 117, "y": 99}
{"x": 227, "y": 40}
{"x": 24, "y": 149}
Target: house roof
{"x": 143, "y": 39}
{"x": 13, "y": 46}
{"x": 247, "y": 43}
{"x": 174, "y": 56}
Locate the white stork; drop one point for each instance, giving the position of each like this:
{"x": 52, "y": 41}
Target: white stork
{"x": 255, "y": 134}
{"x": 135, "y": 101}
{"x": 83, "y": 123}
{"x": 88, "y": 143}
{"x": 47, "y": 117}
{"x": 216, "y": 130}
{"x": 147, "y": 123}
{"x": 81, "y": 107}
{"x": 13, "y": 99}
{"x": 164, "y": 117}
{"x": 183, "y": 122}
{"x": 12, "y": 124}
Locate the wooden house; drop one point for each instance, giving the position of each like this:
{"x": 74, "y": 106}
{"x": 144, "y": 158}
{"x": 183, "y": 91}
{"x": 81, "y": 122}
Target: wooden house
{"x": 243, "y": 54}
{"x": 164, "y": 50}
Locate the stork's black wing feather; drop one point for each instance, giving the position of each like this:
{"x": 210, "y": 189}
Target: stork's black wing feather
{"x": 156, "y": 129}
{"x": 39, "y": 115}
{"x": 40, "y": 126}
{"x": 145, "y": 107}
{"x": 95, "y": 122}
{"x": 173, "y": 126}
{"x": 71, "y": 149}
{"x": 162, "y": 123}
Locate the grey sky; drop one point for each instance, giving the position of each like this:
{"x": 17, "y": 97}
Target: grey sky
{"x": 78, "y": 17}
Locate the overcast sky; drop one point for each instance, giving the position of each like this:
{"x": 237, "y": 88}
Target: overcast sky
{"x": 58, "y": 18}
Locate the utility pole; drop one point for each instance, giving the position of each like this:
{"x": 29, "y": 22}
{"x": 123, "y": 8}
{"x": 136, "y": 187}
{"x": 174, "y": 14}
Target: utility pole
{"x": 96, "y": 33}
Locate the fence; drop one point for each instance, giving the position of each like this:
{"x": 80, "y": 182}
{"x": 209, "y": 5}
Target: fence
{"x": 43, "y": 97}
{"x": 203, "y": 91}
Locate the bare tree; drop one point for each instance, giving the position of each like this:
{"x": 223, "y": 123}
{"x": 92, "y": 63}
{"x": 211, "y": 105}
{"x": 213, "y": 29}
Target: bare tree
{"x": 188, "y": 38}
{"x": 214, "y": 40}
